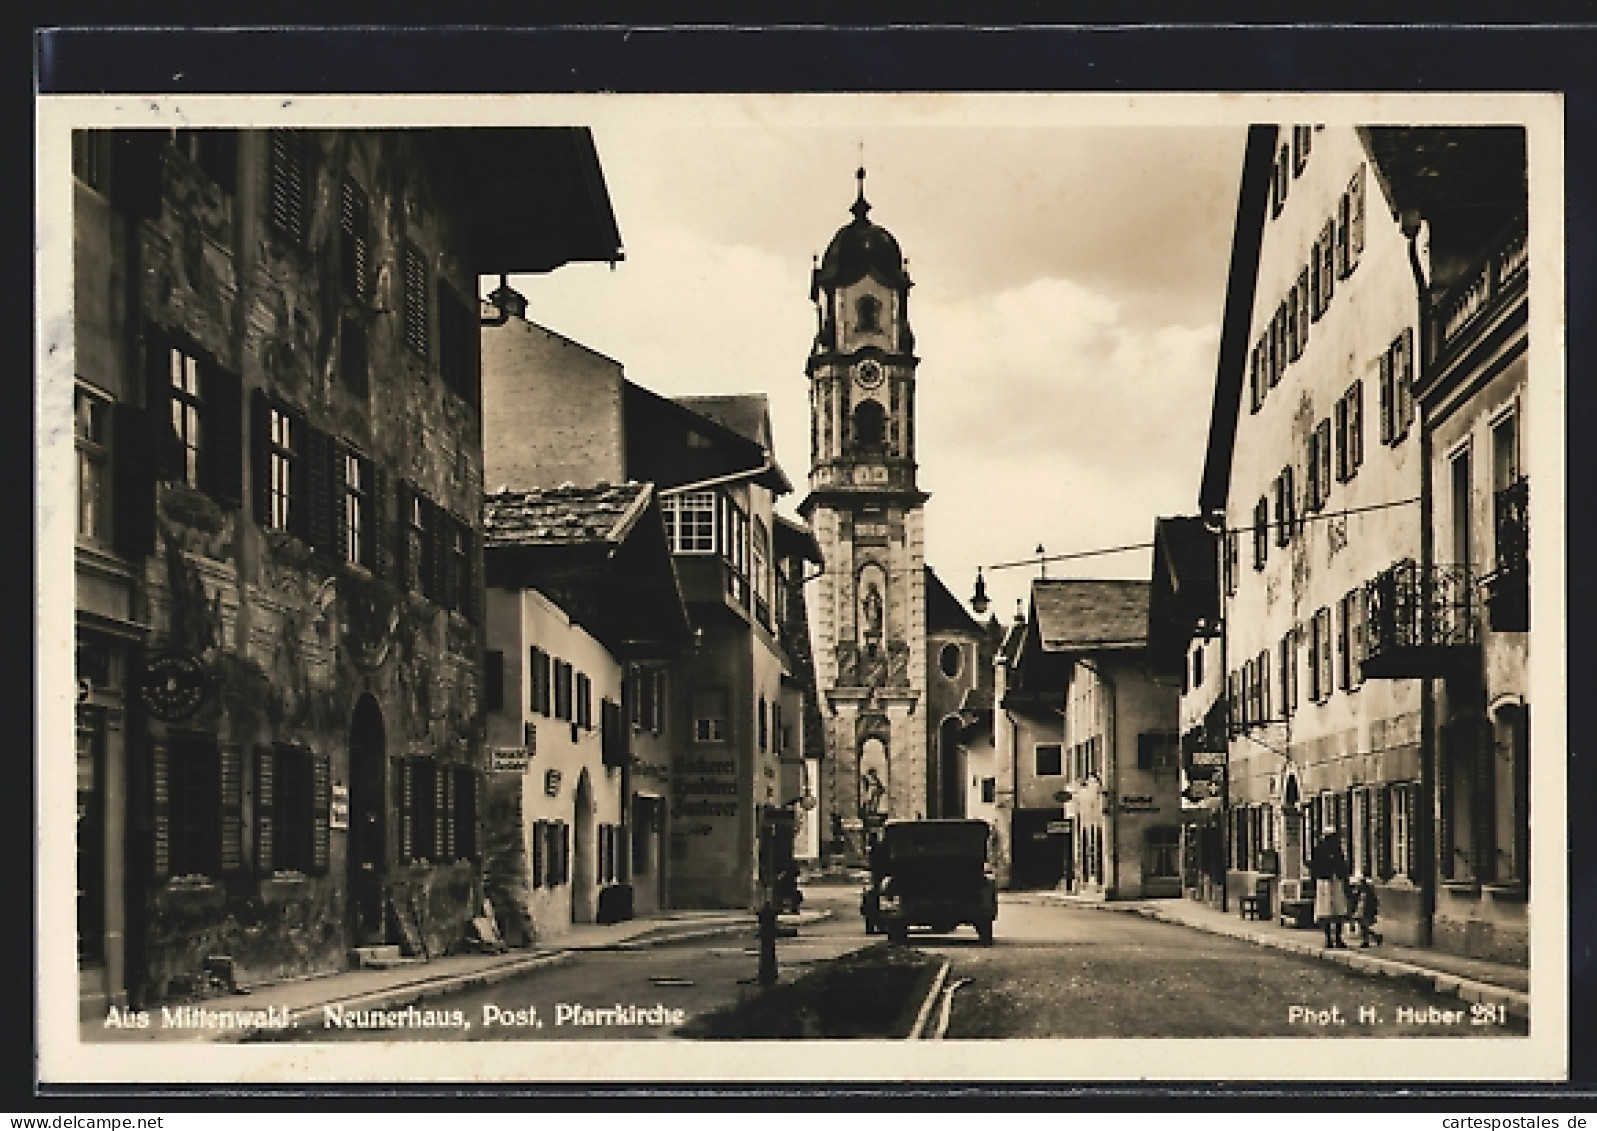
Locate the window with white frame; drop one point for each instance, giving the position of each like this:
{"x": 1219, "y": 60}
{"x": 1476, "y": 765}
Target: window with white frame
{"x": 282, "y": 454}
{"x": 690, "y": 522}
{"x": 356, "y": 537}
{"x": 187, "y": 411}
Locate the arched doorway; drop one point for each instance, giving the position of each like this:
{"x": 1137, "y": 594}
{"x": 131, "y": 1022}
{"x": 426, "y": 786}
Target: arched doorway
{"x": 368, "y": 840}
{"x": 584, "y": 898}
{"x": 950, "y": 769}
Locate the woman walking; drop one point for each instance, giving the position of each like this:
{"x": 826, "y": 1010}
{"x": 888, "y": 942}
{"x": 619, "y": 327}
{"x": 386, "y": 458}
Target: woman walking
{"x": 1328, "y": 867}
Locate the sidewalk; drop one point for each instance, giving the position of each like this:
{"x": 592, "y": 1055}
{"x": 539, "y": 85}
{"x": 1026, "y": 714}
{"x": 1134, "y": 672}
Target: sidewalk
{"x": 1471, "y": 979}
{"x": 303, "y": 999}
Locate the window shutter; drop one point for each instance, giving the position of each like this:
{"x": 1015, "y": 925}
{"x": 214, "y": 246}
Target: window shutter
{"x": 407, "y": 570}
{"x": 407, "y": 822}
{"x": 537, "y": 854}
{"x": 321, "y": 815}
{"x": 265, "y": 809}
{"x": 337, "y": 505}
{"x": 565, "y": 852}
{"x": 1303, "y": 318}
{"x": 1386, "y": 397}
{"x": 1313, "y": 501}
{"x": 299, "y": 477}
{"x": 373, "y": 549}
{"x": 414, "y": 285}
{"x": 232, "y": 799}
{"x": 1381, "y": 800}
{"x": 444, "y": 822}
{"x": 1343, "y": 218}
{"x": 222, "y": 466}
{"x": 355, "y": 227}
{"x": 261, "y": 456}
{"x": 1322, "y": 434}
{"x": 1356, "y": 427}
{"x": 1355, "y": 192}
{"x": 288, "y": 182}
{"x": 315, "y": 503}
{"x": 1405, "y": 378}
{"x": 132, "y": 483}
{"x": 160, "y": 809}
{"x": 1266, "y": 707}
{"x": 1327, "y": 264}
{"x": 1343, "y": 657}
{"x": 1255, "y": 378}
{"x": 1326, "y": 685}
{"x": 1316, "y": 280}
{"x": 1341, "y": 439}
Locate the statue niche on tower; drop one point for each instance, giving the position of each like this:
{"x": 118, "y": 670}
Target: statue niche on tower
{"x": 872, "y": 617}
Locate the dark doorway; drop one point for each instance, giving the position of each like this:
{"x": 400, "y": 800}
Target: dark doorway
{"x": 368, "y": 842}
{"x": 1041, "y": 848}
{"x": 950, "y": 769}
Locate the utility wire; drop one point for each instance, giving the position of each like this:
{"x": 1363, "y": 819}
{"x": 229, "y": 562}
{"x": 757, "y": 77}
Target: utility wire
{"x": 1296, "y": 520}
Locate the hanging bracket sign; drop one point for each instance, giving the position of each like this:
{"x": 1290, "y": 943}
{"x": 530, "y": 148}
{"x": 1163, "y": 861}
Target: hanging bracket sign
{"x": 173, "y": 686}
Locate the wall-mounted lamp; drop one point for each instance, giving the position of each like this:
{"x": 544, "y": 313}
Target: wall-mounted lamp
{"x": 508, "y": 301}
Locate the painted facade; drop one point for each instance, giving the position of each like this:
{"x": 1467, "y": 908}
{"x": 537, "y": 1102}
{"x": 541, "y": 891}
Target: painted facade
{"x": 281, "y": 594}
{"x": 1374, "y": 269}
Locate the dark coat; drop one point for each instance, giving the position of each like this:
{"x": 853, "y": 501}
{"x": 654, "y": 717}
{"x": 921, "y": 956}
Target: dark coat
{"x": 1327, "y": 861}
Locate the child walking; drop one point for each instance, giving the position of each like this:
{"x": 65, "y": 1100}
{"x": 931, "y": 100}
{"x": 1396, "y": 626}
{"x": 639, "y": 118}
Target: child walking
{"x": 1365, "y": 909}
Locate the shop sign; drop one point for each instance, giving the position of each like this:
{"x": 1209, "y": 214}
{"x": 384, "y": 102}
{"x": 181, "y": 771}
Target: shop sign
{"x": 1208, "y": 758}
{"x": 1139, "y": 803}
{"x": 173, "y": 686}
{"x": 651, "y": 770}
{"x": 1057, "y": 828}
{"x": 338, "y": 808}
{"x": 551, "y": 783}
{"x": 509, "y": 760}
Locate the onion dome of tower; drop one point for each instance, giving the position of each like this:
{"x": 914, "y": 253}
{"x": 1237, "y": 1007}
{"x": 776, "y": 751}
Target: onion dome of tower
{"x": 861, "y": 248}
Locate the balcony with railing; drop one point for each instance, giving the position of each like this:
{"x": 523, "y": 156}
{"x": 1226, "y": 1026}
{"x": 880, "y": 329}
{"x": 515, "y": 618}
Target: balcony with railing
{"x": 1498, "y": 280}
{"x": 1508, "y": 587}
{"x": 1423, "y": 621}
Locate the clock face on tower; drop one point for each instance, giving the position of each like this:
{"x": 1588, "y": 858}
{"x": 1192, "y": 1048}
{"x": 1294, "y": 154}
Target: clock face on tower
{"x": 868, "y": 373}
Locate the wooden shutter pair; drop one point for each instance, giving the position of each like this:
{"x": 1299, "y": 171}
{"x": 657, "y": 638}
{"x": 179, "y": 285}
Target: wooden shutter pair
{"x": 221, "y": 412}
{"x": 222, "y": 765}
{"x": 267, "y": 800}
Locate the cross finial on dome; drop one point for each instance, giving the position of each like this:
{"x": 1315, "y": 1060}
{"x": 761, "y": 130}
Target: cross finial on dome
{"x": 861, "y": 206}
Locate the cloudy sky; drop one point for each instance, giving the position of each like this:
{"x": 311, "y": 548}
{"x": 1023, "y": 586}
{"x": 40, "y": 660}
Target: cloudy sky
{"x": 1069, "y": 284}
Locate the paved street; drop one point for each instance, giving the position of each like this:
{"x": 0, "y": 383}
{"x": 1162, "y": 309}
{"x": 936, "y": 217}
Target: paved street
{"x": 1063, "y": 971}
{"x": 693, "y": 976}
{"x": 1054, "y": 971}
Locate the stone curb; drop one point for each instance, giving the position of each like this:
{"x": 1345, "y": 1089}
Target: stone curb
{"x": 1516, "y": 1003}
{"x": 423, "y": 989}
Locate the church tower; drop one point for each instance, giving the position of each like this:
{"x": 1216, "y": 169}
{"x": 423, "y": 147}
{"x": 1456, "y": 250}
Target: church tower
{"x": 867, "y": 514}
